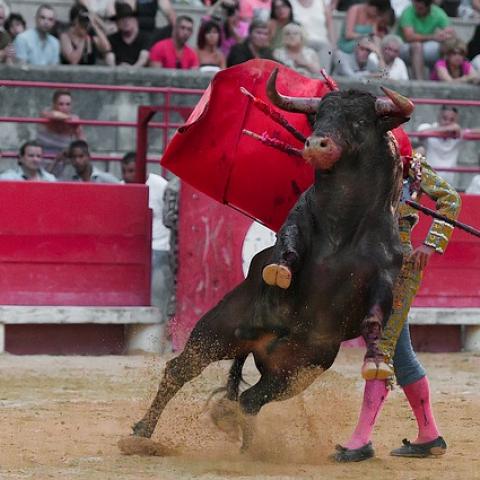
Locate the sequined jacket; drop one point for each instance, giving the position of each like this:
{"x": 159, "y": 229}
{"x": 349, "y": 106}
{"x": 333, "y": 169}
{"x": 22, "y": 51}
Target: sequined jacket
{"x": 447, "y": 203}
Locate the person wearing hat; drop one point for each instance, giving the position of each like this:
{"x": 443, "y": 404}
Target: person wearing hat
{"x": 129, "y": 45}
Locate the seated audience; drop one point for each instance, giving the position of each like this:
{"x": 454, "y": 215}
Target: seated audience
{"x": 394, "y": 67}
{"x": 423, "y": 26}
{"x": 363, "y": 20}
{"x": 294, "y": 53}
{"x": 36, "y": 46}
{"x": 79, "y": 155}
{"x": 281, "y": 15}
{"x": 77, "y": 45}
{"x": 208, "y": 47}
{"x": 360, "y": 63}
{"x": 316, "y": 19}
{"x": 129, "y": 45}
{"x": 255, "y": 10}
{"x": 174, "y": 52}
{"x": 56, "y": 135}
{"x": 254, "y": 46}
{"x": 14, "y": 25}
{"x": 454, "y": 67}
{"x": 29, "y": 165}
{"x": 128, "y": 167}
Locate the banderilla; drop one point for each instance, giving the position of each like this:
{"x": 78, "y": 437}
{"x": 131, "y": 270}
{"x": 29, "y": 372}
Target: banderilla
{"x": 439, "y": 216}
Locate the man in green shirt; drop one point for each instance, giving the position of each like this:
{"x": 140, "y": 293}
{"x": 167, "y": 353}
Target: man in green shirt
{"x": 423, "y": 27}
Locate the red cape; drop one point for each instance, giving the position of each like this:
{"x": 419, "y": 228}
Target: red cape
{"x": 211, "y": 153}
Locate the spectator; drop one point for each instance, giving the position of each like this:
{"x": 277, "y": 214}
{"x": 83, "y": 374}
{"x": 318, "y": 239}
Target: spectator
{"x": 14, "y": 25}
{"x": 128, "y": 167}
{"x": 174, "y": 52}
{"x": 294, "y": 53}
{"x": 29, "y": 165}
{"x": 363, "y": 20}
{"x": 36, "y": 46}
{"x": 423, "y": 26}
{"x": 162, "y": 277}
{"x": 443, "y": 152}
{"x": 454, "y": 67}
{"x": 79, "y": 155}
{"x": 7, "y": 52}
{"x": 129, "y": 45}
{"x": 394, "y": 67}
{"x": 254, "y": 46}
{"x": 255, "y": 10}
{"x": 3, "y": 16}
{"x": 208, "y": 47}
{"x": 360, "y": 63}
{"x": 316, "y": 20}
{"x": 281, "y": 15}
{"x": 474, "y": 49}
{"x": 77, "y": 46}
{"x": 233, "y": 29}
{"x": 55, "y": 135}
{"x": 474, "y": 187}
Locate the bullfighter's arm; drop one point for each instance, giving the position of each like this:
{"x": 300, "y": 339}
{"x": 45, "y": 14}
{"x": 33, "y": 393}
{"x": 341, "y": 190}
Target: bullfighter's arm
{"x": 447, "y": 203}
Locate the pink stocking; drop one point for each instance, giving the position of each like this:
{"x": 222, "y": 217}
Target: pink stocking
{"x": 374, "y": 396}
{"x": 418, "y": 395}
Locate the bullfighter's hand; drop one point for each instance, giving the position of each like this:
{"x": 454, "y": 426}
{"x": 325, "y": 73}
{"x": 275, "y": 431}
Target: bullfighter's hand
{"x": 420, "y": 256}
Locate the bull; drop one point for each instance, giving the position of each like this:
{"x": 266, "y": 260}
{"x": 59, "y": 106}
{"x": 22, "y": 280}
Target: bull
{"x": 341, "y": 243}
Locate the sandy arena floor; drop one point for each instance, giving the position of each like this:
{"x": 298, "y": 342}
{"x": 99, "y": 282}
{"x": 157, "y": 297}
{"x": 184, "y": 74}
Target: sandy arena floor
{"x": 61, "y": 418}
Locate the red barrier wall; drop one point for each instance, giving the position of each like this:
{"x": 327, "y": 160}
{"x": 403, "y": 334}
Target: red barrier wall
{"x": 74, "y": 244}
{"x": 212, "y": 236}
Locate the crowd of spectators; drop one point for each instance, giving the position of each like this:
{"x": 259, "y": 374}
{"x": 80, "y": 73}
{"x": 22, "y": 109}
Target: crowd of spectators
{"x": 405, "y": 39}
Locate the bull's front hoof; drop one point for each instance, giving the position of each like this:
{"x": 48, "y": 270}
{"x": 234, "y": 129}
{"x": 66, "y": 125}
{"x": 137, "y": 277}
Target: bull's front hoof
{"x": 140, "y": 430}
{"x": 134, "y": 445}
{"x": 277, "y": 275}
{"x": 372, "y": 371}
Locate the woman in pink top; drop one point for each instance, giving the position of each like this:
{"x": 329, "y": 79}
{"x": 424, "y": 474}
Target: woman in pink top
{"x": 454, "y": 67}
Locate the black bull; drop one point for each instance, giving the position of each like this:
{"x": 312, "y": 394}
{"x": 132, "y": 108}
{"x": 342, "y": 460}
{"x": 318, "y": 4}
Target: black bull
{"x": 342, "y": 243}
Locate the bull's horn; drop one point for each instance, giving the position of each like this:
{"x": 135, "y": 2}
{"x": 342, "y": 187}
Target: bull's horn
{"x": 396, "y": 104}
{"x": 290, "y": 104}
{"x": 331, "y": 83}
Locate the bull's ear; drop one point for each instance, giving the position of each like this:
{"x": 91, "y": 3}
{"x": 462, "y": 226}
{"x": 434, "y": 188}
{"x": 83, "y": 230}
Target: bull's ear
{"x": 390, "y": 122}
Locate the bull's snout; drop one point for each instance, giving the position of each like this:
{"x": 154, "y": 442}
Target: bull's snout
{"x": 321, "y": 152}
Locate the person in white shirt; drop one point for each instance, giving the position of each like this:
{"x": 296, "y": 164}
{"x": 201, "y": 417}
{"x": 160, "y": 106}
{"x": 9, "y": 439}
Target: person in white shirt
{"x": 162, "y": 276}
{"x": 443, "y": 152}
{"x": 394, "y": 67}
{"x": 363, "y": 62}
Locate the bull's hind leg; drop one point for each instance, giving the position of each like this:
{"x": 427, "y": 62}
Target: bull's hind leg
{"x": 286, "y": 372}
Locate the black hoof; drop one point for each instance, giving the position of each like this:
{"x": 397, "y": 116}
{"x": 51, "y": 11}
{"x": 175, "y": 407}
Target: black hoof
{"x": 421, "y": 450}
{"x": 140, "y": 430}
{"x": 346, "y": 455}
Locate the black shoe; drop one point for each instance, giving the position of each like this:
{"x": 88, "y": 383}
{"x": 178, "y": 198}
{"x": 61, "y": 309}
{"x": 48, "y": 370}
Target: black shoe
{"x": 421, "y": 450}
{"x": 346, "y": 455}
